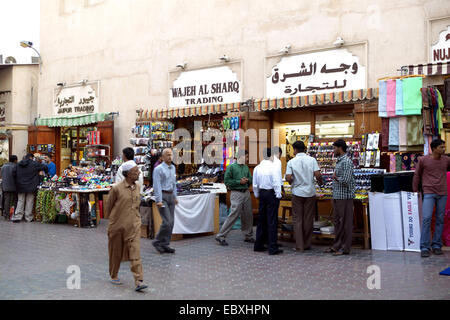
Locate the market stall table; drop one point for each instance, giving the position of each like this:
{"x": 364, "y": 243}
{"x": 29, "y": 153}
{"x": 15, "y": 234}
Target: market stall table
{"x": 84, "y": 193}
{"x": 286, "y": 207}
{"x": 194, "y": 214}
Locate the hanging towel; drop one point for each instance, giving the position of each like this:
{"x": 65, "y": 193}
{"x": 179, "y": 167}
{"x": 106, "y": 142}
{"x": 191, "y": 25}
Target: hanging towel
{"x": 390, "y": 98}
{"x": 382, "y": 99}
{"x": 412, "y": 98}
{"x": 414, "y": 125}
{"x": 399, "y": 97}
{"x": 384, "y": 134}
{"x": 426, "y": 112}
{"x": 439, "y": 112}
{"x": 398, "y": 162}
{"x": 393, "y": 134}
{"x": 402, "y": 139}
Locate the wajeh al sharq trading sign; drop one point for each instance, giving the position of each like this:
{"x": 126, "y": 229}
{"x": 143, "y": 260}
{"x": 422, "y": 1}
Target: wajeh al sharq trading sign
{"x": 205, "y": 86}
{"x": 76, "y": 100}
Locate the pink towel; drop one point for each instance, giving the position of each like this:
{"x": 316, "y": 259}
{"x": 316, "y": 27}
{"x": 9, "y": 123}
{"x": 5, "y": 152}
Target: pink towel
{"x": 391, "y": 93}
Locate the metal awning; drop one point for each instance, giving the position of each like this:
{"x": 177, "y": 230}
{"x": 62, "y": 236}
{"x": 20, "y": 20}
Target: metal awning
{"x": 71, "y": 121}
{"x": 182, "y": 112}
{"x": 316, "y": 99}
{"x": 429, "y": 69}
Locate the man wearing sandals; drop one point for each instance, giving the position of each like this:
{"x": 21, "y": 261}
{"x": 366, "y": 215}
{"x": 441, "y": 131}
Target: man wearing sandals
{"x": 343, "y": 194}
{"x": 124, "y": 229}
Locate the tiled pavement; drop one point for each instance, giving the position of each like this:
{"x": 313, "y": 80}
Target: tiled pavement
{"x": 34, "y": 258}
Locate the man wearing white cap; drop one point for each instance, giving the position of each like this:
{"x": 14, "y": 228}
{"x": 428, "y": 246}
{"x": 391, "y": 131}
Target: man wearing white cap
{"x": 124, "y": 229}
{"x": 128, "y": 158}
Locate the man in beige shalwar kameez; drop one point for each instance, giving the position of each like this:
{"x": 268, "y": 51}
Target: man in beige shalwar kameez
{"x": 124, "y": 229}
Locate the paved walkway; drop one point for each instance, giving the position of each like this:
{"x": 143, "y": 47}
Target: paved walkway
{"x": 34, "y": 258}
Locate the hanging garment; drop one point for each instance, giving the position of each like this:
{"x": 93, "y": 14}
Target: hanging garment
{"x": 426, "y": 145}
{"x": 414, "y": 126}
{"x": 390, "y": 98}
{"x": 406, "y": 161}
{"x": 447, "y": 93}
{"x": 384, "y": 134}
{"x": 439, "y": 112}
{"x": 393, "y": 134}
{"x": 412, "y": 99}
{"x": 426, "y": 112}
{"x": 382, "y": 99}
{"x": 402, "y": 139}
{"x": 398, "y": 162}
{"x": 399, "y": 97}
{"x": 392, "y": 164}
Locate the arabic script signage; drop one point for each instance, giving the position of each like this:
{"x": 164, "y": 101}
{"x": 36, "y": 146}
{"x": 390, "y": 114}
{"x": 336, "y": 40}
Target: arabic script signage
{"x": 2, "y": 113}
{"x": 78, "y": 100}
{"x": 205, "y": 86}
{"x": 440, "y": 52}
{"x": 314, "y": 73}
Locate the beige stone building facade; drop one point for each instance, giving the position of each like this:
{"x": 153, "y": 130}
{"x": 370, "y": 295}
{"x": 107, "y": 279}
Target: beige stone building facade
{"x": 132, "y": 47}
{"x": 18, "y": 96}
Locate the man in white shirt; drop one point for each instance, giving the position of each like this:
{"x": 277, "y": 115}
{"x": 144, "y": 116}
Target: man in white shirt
{"x": 128, "y": 158}
{"x": 300, "y": 173}
{"x": 267, "y": 188}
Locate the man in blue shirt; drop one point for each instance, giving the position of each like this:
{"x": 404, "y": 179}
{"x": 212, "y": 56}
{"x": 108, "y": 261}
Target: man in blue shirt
{"x": 165, "y": 191}
{"x": 51, "y": 166}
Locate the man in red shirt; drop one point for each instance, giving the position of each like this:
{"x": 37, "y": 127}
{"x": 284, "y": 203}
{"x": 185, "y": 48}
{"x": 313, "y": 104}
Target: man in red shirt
{"x": 431, "y": 172}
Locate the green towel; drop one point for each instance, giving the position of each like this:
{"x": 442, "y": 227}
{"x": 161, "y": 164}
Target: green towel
{"x": 439, "y": 111}
{"x": 412, "y": 96}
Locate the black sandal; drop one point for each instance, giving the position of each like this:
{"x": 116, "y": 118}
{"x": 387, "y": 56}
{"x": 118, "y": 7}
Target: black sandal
{"x": 222, "y": 241}
{"x": 330, "y": 250}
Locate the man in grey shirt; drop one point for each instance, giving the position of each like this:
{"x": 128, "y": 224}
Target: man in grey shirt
{"x": 165, "y": 191}
{"x": 8, "y": 175}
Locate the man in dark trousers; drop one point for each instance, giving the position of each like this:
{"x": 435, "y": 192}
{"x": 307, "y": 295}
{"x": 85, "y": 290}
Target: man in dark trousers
{"x": 431, "y": 172}
{"x": 9, "y": 185}
{"x": 165, "y": 191}
{"x": 267, "y": 188}
{"x": 343, "y": 194}
{"x": 27, "y": 181}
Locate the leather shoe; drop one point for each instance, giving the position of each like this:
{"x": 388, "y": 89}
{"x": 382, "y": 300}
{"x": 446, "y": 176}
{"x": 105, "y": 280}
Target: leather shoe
{"x": 158, "y": 247}
{"x": 168, "y": 249}
{"x": 260, "y": 249}
{"x": 437, "y": 251}
{"x": 250, "y": 240}
{"x": 16, "y": 221}
{"x": 425, "y": 254}
{"x": 222, "y": 241}
{"x": 276, "y": 252}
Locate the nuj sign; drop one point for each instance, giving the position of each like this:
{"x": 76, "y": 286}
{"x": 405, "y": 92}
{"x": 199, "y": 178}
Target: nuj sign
{"x": 440, "y": 52}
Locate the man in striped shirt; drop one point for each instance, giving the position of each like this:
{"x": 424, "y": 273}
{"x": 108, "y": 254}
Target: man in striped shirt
{"x": 343, "y": 194}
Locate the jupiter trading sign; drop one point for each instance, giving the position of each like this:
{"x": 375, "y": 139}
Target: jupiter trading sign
{"x": 205, "y": 86}
{"x": 440, "y": 52}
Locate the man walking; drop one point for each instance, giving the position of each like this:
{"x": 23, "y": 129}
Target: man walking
{"x": 343, "y": 194}
{"x": 238, "y": 179}
{"x": 8, "y": 174}
{"x": 27, "y": 181}
{"x": 124, "y": 229}
{"x": 300, "y": 173}
{"x": 165, "y": 191}
{"x": 267, "y": 188}
{"x": 431, "y": 172}
{"x": 128, "y": 158}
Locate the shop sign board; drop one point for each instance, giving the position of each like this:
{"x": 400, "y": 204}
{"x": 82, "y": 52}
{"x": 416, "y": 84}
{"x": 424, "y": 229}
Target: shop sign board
{"x": 2, "y": 113}
{"x": 316, "y": 73}
{"x": 76, "y": 100}
{"x": 440, "y": 52}
{"x": 216, "y": 85}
